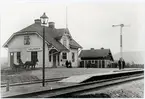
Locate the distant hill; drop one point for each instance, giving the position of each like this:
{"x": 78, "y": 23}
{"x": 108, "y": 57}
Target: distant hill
{"x": 137, "y": 57}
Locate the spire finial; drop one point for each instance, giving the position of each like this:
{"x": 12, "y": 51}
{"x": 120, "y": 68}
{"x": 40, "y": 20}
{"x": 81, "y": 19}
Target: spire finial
{"x": 66, "y": 18}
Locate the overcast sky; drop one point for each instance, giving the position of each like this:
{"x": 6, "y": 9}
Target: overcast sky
{"x": 89, "y": 21}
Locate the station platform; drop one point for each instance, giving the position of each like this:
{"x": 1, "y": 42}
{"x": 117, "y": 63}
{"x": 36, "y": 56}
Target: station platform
{"x": 83, "y": 78}
{"x": 70, "y": 81}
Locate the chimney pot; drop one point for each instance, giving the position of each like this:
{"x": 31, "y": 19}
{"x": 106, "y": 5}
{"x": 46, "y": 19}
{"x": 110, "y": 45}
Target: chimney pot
{"x": 51, "y": 24}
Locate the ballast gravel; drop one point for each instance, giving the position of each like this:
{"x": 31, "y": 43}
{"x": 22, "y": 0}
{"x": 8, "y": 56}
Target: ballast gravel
{"x": 132, "y": 89}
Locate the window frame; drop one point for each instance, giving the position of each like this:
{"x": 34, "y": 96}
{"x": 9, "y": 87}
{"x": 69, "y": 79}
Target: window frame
{"x": 64, "y": 55}
{"x": 65, "y": 41}
{"x": 26, "y": 40}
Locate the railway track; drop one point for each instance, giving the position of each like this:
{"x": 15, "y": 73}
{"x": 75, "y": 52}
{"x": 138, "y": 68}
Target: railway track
{"x": 89, "y": 85}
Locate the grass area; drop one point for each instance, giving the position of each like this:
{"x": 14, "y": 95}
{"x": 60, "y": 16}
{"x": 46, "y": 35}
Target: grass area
{"x": 18, "y": 78}
{"x": 13, "y": 76}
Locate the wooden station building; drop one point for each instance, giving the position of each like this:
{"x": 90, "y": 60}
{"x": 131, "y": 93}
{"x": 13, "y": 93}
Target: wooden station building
{"x": 27, "y": 44}
{"x": 96, "y": 58}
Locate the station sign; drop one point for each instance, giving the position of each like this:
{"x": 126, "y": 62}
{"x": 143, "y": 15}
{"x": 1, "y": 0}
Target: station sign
{"x": 34, "y": 49}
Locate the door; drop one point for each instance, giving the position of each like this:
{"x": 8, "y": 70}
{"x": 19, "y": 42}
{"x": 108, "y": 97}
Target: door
{"x": 54, "y": 60}
{"x": 34, "y": 56}
{"x": 11, "y": 59}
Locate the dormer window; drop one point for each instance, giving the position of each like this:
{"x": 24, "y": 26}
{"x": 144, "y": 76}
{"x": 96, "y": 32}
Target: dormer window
{"x": 26, "y": 40}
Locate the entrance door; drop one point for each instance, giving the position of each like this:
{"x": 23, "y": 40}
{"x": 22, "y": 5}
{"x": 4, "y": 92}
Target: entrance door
{"x": 54, "y": 60}
{"x": 34, "y": 56}
{"x": 11, "y": 59}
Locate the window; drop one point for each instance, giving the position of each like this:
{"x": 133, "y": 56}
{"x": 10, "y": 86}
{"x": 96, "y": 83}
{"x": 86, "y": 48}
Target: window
{"x": 64, "y": 55}
{"x": 93, "y": 61}
{"x": 64, "y": 42}
{"x": 18, "y": 56}
{"x": 26, "y": 40}
{"x": 73, "y": 57}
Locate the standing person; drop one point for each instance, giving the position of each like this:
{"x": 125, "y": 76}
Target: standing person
{"x": 66, "y": 63}
{"x": 119, "y": 63}
{"x": 123, "y": 63}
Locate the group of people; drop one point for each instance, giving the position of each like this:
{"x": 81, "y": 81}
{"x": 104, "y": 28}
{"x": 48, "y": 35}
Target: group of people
{"x": 68, "y": 64}
{"x": 121, "y": 63}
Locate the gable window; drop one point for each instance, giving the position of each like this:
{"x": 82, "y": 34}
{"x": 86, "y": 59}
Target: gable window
{"x": 64, "y": 42}
{"x": 64, "y": 55}
{"x": 73, "y": 57}
{"x": 26, "y": 40}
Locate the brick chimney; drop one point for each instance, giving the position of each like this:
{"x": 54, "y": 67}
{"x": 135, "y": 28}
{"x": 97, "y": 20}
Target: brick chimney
{"x": 37, "y": 21}
{"x": 51, "y": 25}
{"x": 92, "y": 49}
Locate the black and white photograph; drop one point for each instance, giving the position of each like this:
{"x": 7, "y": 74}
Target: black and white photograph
{"x": 72, "y": 48}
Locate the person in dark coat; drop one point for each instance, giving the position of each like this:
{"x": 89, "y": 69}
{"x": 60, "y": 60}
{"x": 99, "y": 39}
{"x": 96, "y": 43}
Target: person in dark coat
{"x": 123, "y": 63}
{"x": 120, "y": 63}
{"x": 66, "y": 63}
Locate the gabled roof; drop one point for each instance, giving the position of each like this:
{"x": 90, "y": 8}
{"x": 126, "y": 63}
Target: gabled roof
{"x": 74, "y": 44}
{"x": 51, "y": 35}
{"x": 95, "y": 53}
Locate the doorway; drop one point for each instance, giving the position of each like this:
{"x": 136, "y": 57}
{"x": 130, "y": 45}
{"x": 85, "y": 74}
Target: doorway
{"x": 54, "y": 60}
{"x": 34, "y": 56}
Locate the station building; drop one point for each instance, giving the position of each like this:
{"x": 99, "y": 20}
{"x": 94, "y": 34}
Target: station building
{"x": 27, "y": 44}
{"x": 96, "y": 58}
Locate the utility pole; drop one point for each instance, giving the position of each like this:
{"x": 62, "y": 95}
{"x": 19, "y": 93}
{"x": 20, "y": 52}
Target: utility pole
{"x": 121, "y": 26}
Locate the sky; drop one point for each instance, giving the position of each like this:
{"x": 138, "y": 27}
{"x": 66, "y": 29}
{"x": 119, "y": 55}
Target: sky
{"x": 89, "y": 21}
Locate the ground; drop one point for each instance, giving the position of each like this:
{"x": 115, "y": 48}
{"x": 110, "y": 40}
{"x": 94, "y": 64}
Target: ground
{"x": 52, "y": 73}
{"x": 133, "y": 89}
